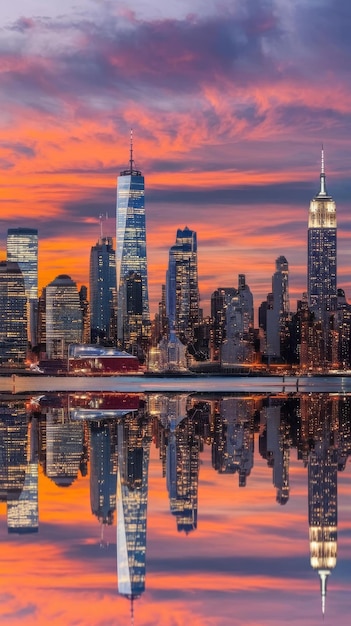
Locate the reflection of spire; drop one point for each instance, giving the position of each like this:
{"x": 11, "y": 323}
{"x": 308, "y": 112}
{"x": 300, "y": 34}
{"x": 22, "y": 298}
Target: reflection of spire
{"x": 323, "y": 575}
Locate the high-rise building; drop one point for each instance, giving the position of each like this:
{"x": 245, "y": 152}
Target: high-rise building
{"x": 278, "y": 311}
{"x": 219, "y": 302}
{"x": 133, "y": 315}
{"x": 322, "y": 266}
{"x": 22, "y": 248}
{"x": 238, "y": 347}
{"x": 63, "y": 316}
{"x": 13, "y": 313}
{"x": 103, "y": 299}
{"x": 182, "y": 299}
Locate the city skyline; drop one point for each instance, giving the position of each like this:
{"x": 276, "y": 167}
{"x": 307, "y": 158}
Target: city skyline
{"x": 227, "y": 129}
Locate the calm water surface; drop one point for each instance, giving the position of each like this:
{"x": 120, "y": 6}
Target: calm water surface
{"x": 174, "y": 509}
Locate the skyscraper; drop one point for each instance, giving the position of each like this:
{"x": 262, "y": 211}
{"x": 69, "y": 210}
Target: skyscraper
{"x": 22, "y": 248}
{"x": 133, "y": 315}
{"x": 63, "y": 316}
{"x": 278, "y": 308}
{"x": 321, "y": 279}
{"x": 103, "y": 300}
{"x": 13, "y": 313}
{"x": 182, "y": 299}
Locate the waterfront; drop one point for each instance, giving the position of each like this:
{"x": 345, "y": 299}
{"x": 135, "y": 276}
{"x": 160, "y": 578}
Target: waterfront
{"x": 226, "y": 489}
{"x": 140, "y": 383}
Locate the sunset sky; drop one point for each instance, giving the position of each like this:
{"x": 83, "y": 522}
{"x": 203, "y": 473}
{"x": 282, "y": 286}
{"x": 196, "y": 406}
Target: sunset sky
{"x": 229, "y": 102}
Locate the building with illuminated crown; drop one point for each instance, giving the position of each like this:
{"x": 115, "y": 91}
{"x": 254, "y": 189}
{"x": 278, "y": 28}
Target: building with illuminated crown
{"x": 322, "y": 263}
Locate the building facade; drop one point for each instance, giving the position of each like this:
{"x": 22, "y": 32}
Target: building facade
{"x": 103, "y": 295}
{"x": 182, "y": 292}
{"x": 63, "y": 318}
{"x": 322, "y": 262}
{"x": 13, "y": 313}
{"x": 22, "y": 248}
{"x": 277, "y": 314}
{"x": 133, "y": 317}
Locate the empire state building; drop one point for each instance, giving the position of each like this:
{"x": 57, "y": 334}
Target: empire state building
{"x": 321, "y": 279}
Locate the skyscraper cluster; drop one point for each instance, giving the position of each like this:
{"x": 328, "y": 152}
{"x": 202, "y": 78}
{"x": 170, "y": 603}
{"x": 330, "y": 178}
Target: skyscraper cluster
{"x": 115, "y": 311}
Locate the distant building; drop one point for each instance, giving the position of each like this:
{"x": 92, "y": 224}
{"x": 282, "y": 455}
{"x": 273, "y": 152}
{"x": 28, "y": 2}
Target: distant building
{"x": 219, "y": 303}
{"x": 238, "y": 348}
{"x": 64, "y": 323}
{"x": 277, "y": 313}
{"x": 22, "y": 248}
{"x": 13, "y": 313}
{"x": 131, "y": 262}
{"x": 103, "y": 295}
{"x": 182, "y": 291}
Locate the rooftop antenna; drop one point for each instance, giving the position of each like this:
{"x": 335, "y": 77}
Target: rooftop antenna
{"x": 131, "y": 150}
{"x": 101, "y": 218}
{"x": 323, "y": 191}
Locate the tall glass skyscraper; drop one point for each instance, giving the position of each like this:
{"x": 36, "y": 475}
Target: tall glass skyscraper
{"x": 182, "y": 297}
{"x": 22, "y": 248}
{"x": 102, "y": 289}
{"x": 133, "y": 314}
{"x": 13, "y": 313}
{"x": 321, "y": 279}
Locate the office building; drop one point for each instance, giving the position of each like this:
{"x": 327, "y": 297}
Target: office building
{"x": 103, "y": 296}
{"x": 63, "y": 316}
{"x": 322, "y": 262}
{"x": 133, "y": 314}
{"x": 13, "y": 313}
{"x": 22, "y": 248}
{"x": 182, "y": 297}
{"x": 277, "y": 314}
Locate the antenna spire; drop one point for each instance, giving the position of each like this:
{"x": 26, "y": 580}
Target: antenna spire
{"x": 323, "y": 190}
{"x": 131, "y": 150}
{"x": 101, "y": 218}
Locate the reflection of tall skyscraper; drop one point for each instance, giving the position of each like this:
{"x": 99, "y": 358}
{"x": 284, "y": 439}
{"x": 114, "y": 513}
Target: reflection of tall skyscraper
{"x": 64, "y": 320}
{"x": 278, "y": 450}
{"x": 322, "y": 500}
{"x": 22, "y": 513}
{"x": 103, "y": 301}
{"x": 64, "y": 447}
{"x": 321, "y": 278}
{"x": 13, "y": 439}
{"x": 319, "y": 423}
{"x": 13, "y": 313}
{"x": 22, "y": 248}
{"x": 233, "y": 445}
{"x": 103, "y": 470}
{"x": 132, "y": 491}
{"x": 131, "y": 258}
{"x": 182, "y": 300}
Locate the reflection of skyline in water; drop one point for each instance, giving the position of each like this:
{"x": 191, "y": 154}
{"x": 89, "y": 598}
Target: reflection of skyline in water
{"x": 115, "y": 454}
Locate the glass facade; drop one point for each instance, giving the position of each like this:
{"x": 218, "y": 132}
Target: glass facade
{"x": 63, "y": 316}
{"x": 131, "y": 260}
{"x": 182, "y": 301}
{"x": 22, "y": 248}
{"x": 13, "y": 313}
{"x": 103, "y": 298}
